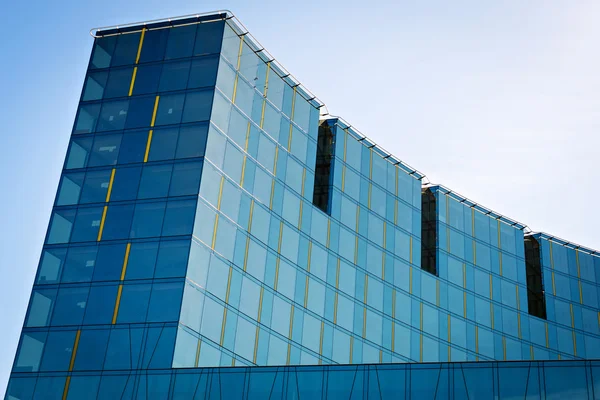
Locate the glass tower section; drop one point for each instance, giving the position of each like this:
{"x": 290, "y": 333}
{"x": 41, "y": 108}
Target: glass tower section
{"x": 210, "y": 214}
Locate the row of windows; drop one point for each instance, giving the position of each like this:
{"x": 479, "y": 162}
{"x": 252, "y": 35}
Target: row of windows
{"x": 256, "y": 80}
{"x": 137, "y": 146}
{"x": 130, "y": 183}
{"x": 99, "y": 304}
{"x": 571, "y": 289}
{"x": 262, "y": 146}
{"x": 570, "y": 261}
{"x": 122, "y": 221}
{"x": 107, "y": 262}
{"x": 151, "y": 78}
{"x": 118, "y": 348}
{"x": 144, "y": 111}
{"x": 157, "y": 45}
{"x": 458, "y": 381}
{"x": 357, "y": 161}
{"x": 464, "y": 219}
{"x": 293, "y": 286}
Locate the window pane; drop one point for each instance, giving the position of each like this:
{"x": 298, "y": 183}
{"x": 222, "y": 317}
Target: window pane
{"x": 30, "y": 353}
{"x": 197, "y": 106}
{"x": 103, "y": 51}
{"x": 70, "y": 188}
{"x": 118, "y": 84}
{"x": 118, "y": 222}
{"x": 60, "y": 226}
{"x": 126, "y": 50}
{"x": 70, "y": 306}
{"x": 134, "y": 303}
{"x": 155, "y": 181}
{"x": 142, "y": 258}
{"x": 95, "y": 186}
{"x": 179, "y": 218}
{"x": 186, "y": 179}
{"x": 172, "y": 259}
{"x": 203, "y": 72}
{"x": 181, "y": 42}
{"x": 169, "y": 109}
{"x": 147, "y": 220}
{"x": 105, "y": 150}
{"x": 86, "y": 225}
{"x": 113, "y": 115}
{"x": 91, "y": 350}
{"x": 79, "y": 265}
{"x": 208, "y": 38}
{"x": 57, "y": 353}
{"x": 133, "y": 147}
{"x": 125, "y": 184}
{"x": 87, "y": 118}
{"x": 154, "y": 45}
{"x": 174, "y": 76}
{"x": 94, "y": 86}
{"x": 163, "y": 144}
{"x": 79, "y": 152}
{"x": 147, "y": 78}
{"x": 140, "y": 112}
{"x": 51, "y": 265}
{"x": 40, "y": 308}
{"x": 165, "y": 302}
{"x": 192, "y": 141}
{"x": 100, "y": 305}
{"x": 109, "y": 262}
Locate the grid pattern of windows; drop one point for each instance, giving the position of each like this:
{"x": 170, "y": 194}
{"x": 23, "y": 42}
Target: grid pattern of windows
{"x": 194, "y": 226}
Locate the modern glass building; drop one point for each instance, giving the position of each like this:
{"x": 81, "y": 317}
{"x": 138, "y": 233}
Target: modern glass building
{"x": 212, "y": 214}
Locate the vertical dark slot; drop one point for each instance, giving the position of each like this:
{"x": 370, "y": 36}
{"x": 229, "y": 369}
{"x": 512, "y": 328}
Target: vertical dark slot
{"x": 535, "y": 285}
{"x": 323, "y": 167}
{"x": 428, "y": 232}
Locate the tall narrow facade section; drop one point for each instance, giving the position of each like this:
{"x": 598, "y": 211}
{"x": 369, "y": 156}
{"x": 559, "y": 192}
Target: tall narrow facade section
{"x": 211, "y": 214}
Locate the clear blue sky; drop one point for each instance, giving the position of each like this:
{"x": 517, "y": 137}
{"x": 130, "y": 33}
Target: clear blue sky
{"x": 497, "y": 100}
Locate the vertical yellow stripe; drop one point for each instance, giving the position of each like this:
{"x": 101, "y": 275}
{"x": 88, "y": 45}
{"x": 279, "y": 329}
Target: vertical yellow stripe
{"x": 66, "y": 389}
{"x": 280, "y": 237}
{"x": 246, "y": 253}
{"x": 251, "y": 215}
{"x": 239, "y": 60}
{"x": 572, "y": 316}
{"x": 476, "y": 339}
{"x": 504, "y": 347}
{"x": 300, "y": 215}
{"x": 223, "y": 326}
{"x": 574, "y": 344}
{"x": 74, "y": 353}
{"x": 577, "y": 261}
{"x": 214, "y": 238}
{"x": 321, "y": 339}
{"x": 262, "y": 114}
{"x": 125, "y": 261}
{"x": 148, "y": 145}
{"x": 291, "y": 323}
{"x": 293, "y": 107}
{"x": 531, "y": 352}
{"x": 551, "y": 255}
{"x": 306, "y": 293}
{"x": 364, "y": 332}
{"x": 303, "y": 181}
{"x": 500, "y": 262}
{"x": 547, "y": 338}
{"x": 255, "y": 344}
{"x": 228, "y": 291}
{"x": 421, "y": 346}
{"x": 156, "y": 101}
{"x": 580, "y": 293}
{"x": 267, "y": 79}
{"x": 133, "y": 75}
{"x": 343, "y": 178}
{"x": 276, "y": 273}
{"x": 117, "y": 303}
{"x": 102, "y": 223}
{"x": 553, "y": 285}
{"x": 351, "y": 348}
{"x": 328, "y": 231}
{"x": 198, "y": 352}
{"x": 243, "y": 172}
{"x": 335, "y": 306}
{"x": 518, "y": 299}
{"x": 110, "y": 185}
{"x": 140, "y": 44}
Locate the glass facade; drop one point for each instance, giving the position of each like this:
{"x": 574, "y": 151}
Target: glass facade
{"x": 208, "y": 215}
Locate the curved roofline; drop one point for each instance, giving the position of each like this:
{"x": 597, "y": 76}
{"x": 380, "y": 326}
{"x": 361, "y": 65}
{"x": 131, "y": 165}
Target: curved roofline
{"x": 241, "y": 30}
